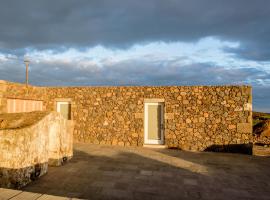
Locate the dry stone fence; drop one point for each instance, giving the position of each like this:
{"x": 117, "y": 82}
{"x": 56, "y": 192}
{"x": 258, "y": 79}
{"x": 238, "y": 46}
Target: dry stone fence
{"x": 195, "y": 117}
{"x": 29, "y": 142}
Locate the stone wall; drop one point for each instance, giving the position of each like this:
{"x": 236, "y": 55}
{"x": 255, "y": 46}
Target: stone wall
{"x": 196, "y": 117}
{"x": 10, "y": 90}
{"x": 29, "y": 142}
{"x": 60, "y": 133}
{"x": 261, "y": 150}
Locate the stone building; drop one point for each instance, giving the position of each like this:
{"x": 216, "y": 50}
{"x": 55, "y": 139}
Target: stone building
{"x": 185, "y": 117}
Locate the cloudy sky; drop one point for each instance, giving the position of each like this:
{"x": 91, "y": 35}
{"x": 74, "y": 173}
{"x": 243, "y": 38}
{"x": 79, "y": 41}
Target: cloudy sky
{"x": 136, "y": 42}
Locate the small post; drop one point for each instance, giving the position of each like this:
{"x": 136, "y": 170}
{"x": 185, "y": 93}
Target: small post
{"x": 26, "y": 61}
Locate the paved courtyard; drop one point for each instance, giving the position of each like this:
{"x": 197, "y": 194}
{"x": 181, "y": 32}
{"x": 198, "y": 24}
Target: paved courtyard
{"x": 110, "y": 172}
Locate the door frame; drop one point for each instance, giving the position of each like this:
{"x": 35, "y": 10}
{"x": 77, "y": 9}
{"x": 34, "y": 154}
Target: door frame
{"x": 146, "y": 140}
{"x": 58, "y": 103}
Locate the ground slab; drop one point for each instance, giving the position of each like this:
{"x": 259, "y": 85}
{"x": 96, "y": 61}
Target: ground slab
{"x": 7, "y": 194}
{"x": 113, "y": 172}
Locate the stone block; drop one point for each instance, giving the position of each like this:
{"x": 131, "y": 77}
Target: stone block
{"x": 135, "y": 135}
{"x": 121, "y": 143}
{"x": 179, "y": 98}
{"x": 247, "y": 107}
{"x": 238, "y": 109}
{"x": 232, "y": 126}
{"x": 244, "y": 128}
{"x": 189, "y": 130}
{"x": 169, "y": 115}
{"x": 202, "y": 119}
{"x": 114, "y": 141}
{"x": 3, "y": 88}
{"x": 188, "y": 121}
{"x": 185, "y": 102}
{"x": 139, "y": 115}
{"x": 206, "y": 115}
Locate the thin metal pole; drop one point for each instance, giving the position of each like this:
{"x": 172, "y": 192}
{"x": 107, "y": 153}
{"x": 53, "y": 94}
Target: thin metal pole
{"x": 26, "y": 74}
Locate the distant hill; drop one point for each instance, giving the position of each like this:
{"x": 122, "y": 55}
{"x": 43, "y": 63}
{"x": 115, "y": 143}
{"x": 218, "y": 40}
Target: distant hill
{"x": 261, "y": 124}
{"x": 260, "y": 117}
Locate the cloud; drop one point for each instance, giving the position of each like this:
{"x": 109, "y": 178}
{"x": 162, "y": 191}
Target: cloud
{"x": 252, "y": 51}
{"x": 123, "y": 23}
{"x": 206, "y": 50}
{"x": 127, "y": 42}
{"x": 149, "y": 64}
{"x": 134, "y": 72}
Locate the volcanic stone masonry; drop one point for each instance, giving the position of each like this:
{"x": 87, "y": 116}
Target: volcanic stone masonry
{"x": 29, "y": 142}
{"x": 196, "y": 117}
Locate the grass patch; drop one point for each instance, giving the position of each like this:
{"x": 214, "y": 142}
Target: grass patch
{"x": 259, "y": 117}
{"x": 256, "y": 121}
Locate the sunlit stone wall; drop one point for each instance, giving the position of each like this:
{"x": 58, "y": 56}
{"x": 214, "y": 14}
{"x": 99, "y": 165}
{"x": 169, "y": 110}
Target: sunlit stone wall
{"x": 17, "y": 91}
{"x": 29, "y": 142}
{"x": 196, "y": 117}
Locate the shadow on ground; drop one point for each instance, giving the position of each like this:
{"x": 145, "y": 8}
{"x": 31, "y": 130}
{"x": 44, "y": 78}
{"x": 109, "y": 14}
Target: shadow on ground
{"x": 231, "y": 148}
{"x": 109, "y": 172}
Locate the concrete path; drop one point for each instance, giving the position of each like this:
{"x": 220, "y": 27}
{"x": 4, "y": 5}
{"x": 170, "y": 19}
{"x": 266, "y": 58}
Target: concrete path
{"x": 110, "y": 172}
{"x": 7, "y": 194}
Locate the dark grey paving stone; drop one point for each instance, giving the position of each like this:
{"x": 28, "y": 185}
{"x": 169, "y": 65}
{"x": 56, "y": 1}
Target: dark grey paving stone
{"x": 111, "y": 172}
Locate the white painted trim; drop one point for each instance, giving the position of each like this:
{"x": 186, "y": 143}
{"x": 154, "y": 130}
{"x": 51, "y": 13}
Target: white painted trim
{"x": 156, "y": 100}
{"x": 146, "y": 140}
{"x": 58, "y": 103}
{"x": 156, "y": 146}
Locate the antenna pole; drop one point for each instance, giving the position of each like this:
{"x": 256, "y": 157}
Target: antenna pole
{"x": 26, "y": 72}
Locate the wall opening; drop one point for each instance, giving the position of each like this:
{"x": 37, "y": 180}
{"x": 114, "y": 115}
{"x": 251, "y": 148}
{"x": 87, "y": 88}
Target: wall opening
{"x": 154, "y": 123}
{"x": 64, "y": 107}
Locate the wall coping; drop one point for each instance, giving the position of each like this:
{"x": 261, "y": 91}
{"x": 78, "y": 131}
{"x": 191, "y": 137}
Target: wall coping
{"x": 129, "y": 86}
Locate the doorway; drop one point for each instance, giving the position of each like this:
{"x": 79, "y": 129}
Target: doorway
{"x": 154, "y": 123}
{"x": 64, "y": 108}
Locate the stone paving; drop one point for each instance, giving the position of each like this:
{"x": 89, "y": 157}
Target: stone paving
{"x": 113, "y": 172}
{"x": 6, "y": 194}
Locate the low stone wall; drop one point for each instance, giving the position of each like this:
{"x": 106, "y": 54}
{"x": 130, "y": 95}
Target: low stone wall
{"x": 60, "y": 141}
{"x": 262, "y": 140}
{"x": 261, "y": 150}
{"x": 27, "y": 142}
{"x": 19, "y": 91}
{"x": 196, "y": 117}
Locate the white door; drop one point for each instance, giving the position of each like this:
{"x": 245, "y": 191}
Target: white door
{"x": 153, "y": 123}
{"x": 64, "y": 108}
